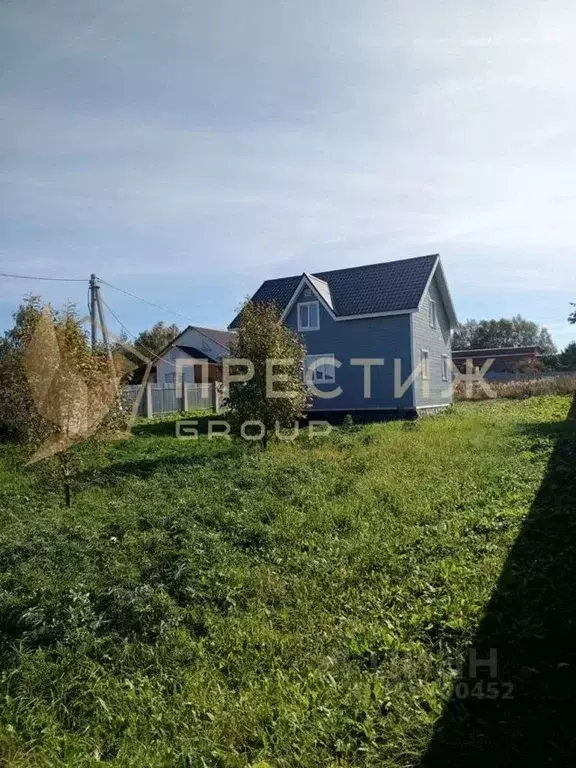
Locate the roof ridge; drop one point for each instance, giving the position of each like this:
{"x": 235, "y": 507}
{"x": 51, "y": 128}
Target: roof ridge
{"x": 315, "y": 277}
{"x": 210, "y": 328}
{"x": 377, "y": 264}
{"x": 348, "y": 269}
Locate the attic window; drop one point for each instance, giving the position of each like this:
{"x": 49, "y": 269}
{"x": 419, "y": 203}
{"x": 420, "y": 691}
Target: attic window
{"x": 308, "y": 316}
{"x": 432, "y": 311}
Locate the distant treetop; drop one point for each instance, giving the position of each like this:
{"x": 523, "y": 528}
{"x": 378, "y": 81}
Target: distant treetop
{"x": 506, "y": 332}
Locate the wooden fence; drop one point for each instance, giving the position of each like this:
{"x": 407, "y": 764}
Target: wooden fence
{"x": 161, "y": 399}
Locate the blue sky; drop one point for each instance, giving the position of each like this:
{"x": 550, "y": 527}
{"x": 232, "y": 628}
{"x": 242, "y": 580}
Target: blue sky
{"x": 186, "y": 151}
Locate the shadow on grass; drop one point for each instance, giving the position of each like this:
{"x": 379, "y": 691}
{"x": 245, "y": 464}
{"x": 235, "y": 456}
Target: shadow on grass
{"x": 167, "y": 427}
{"x": 530, "y": 625}
{"x": 144, "y": 469}
{"x": 337, "y": 418}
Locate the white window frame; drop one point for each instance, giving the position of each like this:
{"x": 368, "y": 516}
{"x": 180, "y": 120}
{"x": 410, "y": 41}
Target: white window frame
{"x": 425, "y": 366}
{"x": 315, "y": 378}
{"x": 170, "y": 378}
{"x": 432, "y": 314}
{"x": 308, "y": 327}
{"x": 445, "y": 367}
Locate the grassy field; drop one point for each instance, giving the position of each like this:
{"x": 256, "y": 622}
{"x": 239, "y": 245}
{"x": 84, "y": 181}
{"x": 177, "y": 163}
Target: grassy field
{"x": 208, "y": 604}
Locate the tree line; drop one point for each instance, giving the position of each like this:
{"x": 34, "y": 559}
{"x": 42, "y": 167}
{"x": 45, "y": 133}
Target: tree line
{"x": 516, "y": 331}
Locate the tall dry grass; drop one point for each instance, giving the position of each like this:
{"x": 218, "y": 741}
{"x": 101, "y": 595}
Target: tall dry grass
{"x": 519, "y": 388}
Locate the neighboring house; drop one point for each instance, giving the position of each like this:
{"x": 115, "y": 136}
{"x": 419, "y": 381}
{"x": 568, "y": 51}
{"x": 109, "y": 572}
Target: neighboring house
{"x": 506, "y": 359}
{"x": 207, "y": 346}
{"x": 396, "y": 311}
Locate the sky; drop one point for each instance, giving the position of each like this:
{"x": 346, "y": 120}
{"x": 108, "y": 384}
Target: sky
{"x": 187, "y": 151}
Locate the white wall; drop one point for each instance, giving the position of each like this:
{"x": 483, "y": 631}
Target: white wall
{"x": 166, "y": 366}
{"x": 193, "y": 338}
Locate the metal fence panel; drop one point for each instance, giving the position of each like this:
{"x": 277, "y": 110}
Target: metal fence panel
{"x": 166, "y": 398}
{"x": 199, "y": 396}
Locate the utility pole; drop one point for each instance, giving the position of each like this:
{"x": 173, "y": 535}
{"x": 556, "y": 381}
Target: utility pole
{"x": 92, "y": 304}
{"x": 96, "y": 307}
{"x": 104, "y": 329}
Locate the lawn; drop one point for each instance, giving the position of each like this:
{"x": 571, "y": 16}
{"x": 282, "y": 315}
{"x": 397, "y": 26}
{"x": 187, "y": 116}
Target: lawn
{"x": 205, "y": 603}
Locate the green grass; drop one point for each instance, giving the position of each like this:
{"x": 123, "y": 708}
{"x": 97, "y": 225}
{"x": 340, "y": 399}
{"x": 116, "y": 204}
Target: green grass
{"x": 205, "y": 603}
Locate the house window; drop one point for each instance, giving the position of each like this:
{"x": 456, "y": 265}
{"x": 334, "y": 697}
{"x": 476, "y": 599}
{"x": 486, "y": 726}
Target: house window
{"x": 444, "y": 367}
{"x": 308, "y": 316}
{"x": 425, "y": 363}
{"x": 324, "y": 372}
{"x": 170, "y": 378}
{"x": 432, "y": 313}
{"x": 204, "y": 346}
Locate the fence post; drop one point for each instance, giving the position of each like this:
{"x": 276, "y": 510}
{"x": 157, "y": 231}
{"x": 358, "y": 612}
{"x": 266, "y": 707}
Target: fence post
{"x": 214, "y": 396}
{"x": 184, "y": 394}
{"x": 149, "y": 406}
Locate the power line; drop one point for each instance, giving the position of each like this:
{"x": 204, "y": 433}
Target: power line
{"x": 84, "y": 280}
{"x": 152, "y": 354}
{"x": 53, "y": 279}
{"x": 139, "y": 298}
{"x": 120, "y": 323}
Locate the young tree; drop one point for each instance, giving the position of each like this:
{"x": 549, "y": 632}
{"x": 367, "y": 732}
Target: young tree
{"x": 55, "y": 391}
{"x": 15, "y": 398}
{"x": 274, "y": 351}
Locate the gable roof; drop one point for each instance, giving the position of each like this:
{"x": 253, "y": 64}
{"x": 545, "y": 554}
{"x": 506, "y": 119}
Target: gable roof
{"x": 196, "y": 353}
{"x": 222, "y": 338}
{"x": 323, "y": 289}
{"x": 137, "y": 374}
{"x": 392, "y": 287}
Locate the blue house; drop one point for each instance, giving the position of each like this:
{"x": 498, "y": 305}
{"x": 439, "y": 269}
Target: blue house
{"x": 377, "y": 336}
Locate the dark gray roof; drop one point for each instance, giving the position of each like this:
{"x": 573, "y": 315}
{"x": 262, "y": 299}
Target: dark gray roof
{"x": 193, "y": 352}
{"x": 220, "y": 337}
{"x": 393, "y": 286}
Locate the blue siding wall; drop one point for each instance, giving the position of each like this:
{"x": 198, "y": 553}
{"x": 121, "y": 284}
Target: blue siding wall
{"x": 380, "y": 337}
{"x": 437, "y": 342}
